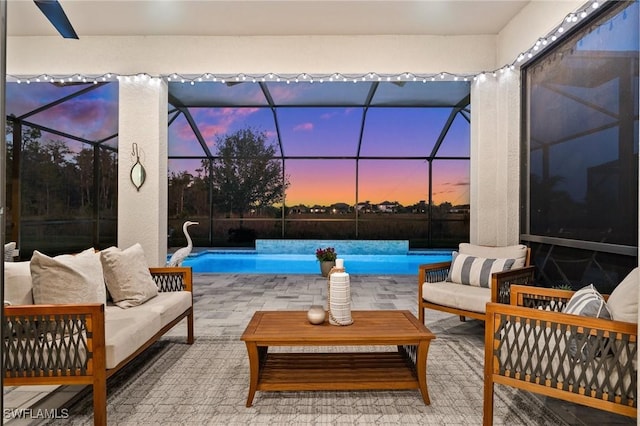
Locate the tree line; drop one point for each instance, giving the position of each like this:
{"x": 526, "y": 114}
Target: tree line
{"x": 56, "y": 181}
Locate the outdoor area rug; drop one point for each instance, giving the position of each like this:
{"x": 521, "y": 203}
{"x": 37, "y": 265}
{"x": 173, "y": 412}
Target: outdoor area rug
{"x": 207, "y": 383}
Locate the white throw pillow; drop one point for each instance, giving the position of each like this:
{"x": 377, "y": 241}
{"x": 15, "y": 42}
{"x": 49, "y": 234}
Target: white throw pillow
{"x": 475, "y": 271}
{"x": 17, "y": 283}
{"x": 127, "y": 275}
{"x": 623, "y": 301}
{"x": 9, "y": 248}
{"x": 67, "y": 278}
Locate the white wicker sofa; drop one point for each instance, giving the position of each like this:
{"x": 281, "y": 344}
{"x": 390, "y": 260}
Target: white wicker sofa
{"x": 466, "y": 284}
{"x": 56, "y": 332}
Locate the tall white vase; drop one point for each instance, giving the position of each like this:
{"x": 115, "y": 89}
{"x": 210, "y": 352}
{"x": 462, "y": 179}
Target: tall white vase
{"x": 339, "y": 299}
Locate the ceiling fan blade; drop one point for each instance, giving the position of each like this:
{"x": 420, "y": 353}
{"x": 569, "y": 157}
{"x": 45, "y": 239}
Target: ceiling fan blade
{"x": 52, "y": 9}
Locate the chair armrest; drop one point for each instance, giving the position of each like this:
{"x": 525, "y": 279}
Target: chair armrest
{"x": 591, "y": 357}
{"x": 502, "y": 282}
{"x": 53, "y": 340}
{"x": 433, "y": 272}
{"x": 172, "y": 278}
{"x": 553, "y": 299}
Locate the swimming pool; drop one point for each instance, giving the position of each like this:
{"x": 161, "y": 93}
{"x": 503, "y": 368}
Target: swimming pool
{"x": 250, "y": 262}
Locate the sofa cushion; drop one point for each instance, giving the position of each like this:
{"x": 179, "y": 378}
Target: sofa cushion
{"x": 9, "y": 249}
{"x": 67, "y": 278}
{"x": 623, "y": 301}
{"x": 17, "y": 283}
{"x": 168, "y": 305}
{"x": 459, "y": 296}
{"x": 517, "y": 252}
{"x": 475, "y": 271}
{"x": 126, "y": 330}
{"x": 127, "y": 275}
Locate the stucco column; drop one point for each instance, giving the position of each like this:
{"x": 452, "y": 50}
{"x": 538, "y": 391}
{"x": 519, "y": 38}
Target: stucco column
{"x": 495, "y": 159}
{"x": 142, "y": 214}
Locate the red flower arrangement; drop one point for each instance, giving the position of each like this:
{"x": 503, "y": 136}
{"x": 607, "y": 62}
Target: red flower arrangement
{"x": 326, "y": 255}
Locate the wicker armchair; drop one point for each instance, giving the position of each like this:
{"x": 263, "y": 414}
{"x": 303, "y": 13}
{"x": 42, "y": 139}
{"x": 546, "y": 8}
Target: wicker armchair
{"x": 470, "y": 301}
{"x": 531, "y": 345}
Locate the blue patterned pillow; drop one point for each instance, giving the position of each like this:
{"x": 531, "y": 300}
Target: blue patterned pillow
{"x": 476, "y": 271}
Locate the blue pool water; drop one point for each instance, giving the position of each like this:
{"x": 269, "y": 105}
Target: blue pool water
{"x": 266, "y": 263}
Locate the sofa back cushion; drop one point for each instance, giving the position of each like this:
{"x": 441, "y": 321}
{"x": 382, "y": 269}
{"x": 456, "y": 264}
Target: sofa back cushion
{"x": 623, "y": 301}
{"x": 67, "y": 278}
{"x": 9, "y": 249}
{"x": 127, "y": 275}
{"x": 517, "y": 252}
{"x": 17, "y": 283}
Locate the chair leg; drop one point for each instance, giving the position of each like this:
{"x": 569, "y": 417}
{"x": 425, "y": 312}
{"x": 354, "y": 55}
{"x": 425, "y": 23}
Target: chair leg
{"x": 100, "y": 399}
{"x": 190, "y": 328}
{"x": 462, "y": 318}
{"x": 487, "y": 415}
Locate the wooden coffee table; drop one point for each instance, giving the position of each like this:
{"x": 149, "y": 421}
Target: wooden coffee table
{"x": 337, "y": 369}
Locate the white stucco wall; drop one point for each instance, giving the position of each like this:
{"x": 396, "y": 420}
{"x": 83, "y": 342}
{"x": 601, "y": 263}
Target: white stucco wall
{"x": 495, "y": 165}
{"x": 142, "y": 215}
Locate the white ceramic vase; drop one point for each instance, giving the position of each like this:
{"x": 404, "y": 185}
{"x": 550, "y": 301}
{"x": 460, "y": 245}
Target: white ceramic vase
{"x": 339, "y": 299}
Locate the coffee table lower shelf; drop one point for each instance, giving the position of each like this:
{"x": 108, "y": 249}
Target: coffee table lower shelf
{"x": 336, "y": 371}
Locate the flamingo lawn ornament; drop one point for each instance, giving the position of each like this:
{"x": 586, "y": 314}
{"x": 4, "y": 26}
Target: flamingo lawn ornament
{"x": 181, "y": 254}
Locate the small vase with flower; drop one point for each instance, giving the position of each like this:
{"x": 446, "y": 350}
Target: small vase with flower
{"x": 327, "y": 258}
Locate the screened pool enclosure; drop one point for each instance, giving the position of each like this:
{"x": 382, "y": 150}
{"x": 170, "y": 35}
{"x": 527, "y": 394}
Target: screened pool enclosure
{"x": 357, "y": 160}
{"x": 353, "y": 160}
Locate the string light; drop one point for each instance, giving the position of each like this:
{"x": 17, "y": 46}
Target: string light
{"x": 539, "y": 46}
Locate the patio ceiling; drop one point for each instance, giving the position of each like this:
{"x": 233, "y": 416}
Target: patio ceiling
{"x": 268, "y": 17}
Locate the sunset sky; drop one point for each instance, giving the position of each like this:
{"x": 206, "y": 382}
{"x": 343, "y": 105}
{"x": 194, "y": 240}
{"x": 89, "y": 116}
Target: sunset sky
{"x": 333, "y": 132}
{"x": 93, "y": 115}
{"x": 306, "y": 132}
